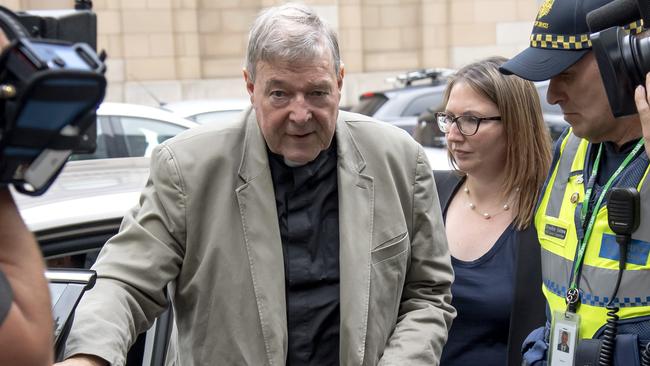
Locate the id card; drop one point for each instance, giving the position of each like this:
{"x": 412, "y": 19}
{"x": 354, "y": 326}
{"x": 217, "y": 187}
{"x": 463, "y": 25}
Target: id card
{"x": 564, "y": 338}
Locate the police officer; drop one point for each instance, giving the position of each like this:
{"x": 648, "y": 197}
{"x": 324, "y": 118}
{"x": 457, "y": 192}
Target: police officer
{"x": 579, "y": 251}
{"x": 25, "y": 316}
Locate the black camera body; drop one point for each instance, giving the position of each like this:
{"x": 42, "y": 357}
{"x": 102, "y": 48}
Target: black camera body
{"x": 622, "y": 53}
{"x": 49, "y": 92}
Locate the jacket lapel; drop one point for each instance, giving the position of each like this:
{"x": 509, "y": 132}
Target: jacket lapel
{"x": 356, "y": 207}
{"x": 258, "y": 211}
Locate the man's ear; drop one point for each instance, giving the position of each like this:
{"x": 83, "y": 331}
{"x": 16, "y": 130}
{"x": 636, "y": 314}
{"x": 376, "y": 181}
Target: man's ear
{"x": 250, "y": 86}
{"x": 340, "y": 76}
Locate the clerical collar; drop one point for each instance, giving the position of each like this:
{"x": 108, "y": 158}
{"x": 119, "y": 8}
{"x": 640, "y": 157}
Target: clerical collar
{"x": 311, "y": 166}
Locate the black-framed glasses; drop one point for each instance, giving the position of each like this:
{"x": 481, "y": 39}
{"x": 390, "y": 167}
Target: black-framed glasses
{"x": 467, "y": 125}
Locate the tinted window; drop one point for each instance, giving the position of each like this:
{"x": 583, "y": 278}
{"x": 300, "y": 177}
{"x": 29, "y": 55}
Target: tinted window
{"x": 420, "y": 104}
{"x": 142, "y": 135}
{"x": 369, "y": 105}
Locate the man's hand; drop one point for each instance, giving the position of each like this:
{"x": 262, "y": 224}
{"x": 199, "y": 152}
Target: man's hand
{"x": 643, "y": 107}
{"x": 83, "y": 360}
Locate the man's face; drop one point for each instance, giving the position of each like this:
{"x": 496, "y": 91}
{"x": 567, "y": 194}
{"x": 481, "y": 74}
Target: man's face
{"x": 296, "y": 106}
{"x": 580, "y": 93}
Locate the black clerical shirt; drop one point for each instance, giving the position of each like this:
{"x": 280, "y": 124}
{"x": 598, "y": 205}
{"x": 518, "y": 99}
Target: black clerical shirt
{"x": 307, "y": 204}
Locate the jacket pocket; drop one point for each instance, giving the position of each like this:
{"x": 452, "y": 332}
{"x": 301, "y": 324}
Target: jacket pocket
{"x": 390, "y": 248}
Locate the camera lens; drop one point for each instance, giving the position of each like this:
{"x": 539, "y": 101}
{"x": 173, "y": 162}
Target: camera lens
{"x": 640, "y": 48}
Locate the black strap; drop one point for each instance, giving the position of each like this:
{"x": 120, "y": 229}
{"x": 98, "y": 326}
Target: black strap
{"x": 6, "y": 297}
{"x": 447, "y": 183}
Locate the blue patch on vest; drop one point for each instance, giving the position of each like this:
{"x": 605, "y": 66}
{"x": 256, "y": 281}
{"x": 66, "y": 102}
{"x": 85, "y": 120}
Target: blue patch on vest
{"x": 637, "y": 251}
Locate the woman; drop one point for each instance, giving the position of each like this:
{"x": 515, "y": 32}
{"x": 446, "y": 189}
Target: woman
{"x": 500, "y": 149}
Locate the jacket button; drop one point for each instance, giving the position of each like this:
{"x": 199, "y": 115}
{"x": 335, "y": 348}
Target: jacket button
{"x": 575, "y": 197}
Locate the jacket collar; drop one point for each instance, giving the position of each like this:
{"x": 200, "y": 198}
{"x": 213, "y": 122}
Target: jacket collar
{"x": 263, "y": 243}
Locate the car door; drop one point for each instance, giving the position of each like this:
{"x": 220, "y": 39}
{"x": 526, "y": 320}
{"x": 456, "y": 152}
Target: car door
{"x": 69, "y": 253}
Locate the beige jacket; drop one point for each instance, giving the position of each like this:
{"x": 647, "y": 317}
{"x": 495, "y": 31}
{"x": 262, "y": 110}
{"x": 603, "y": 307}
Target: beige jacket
{"x": 207, "y": 225}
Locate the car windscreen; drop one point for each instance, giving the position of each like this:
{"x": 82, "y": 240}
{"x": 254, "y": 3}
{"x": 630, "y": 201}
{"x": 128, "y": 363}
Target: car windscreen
{"x": 430, "y": 101}
{"x": 369, "y": 104}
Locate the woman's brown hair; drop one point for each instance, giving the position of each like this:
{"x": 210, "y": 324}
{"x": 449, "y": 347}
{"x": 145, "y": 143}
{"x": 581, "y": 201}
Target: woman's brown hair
{"x": 528, "y": 153}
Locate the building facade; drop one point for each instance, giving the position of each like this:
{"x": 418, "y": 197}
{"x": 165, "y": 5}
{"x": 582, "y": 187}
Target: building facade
{"x": 168, "y": 50}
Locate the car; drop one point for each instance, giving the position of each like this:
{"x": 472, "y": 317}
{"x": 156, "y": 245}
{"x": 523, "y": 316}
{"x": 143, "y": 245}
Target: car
{"x": 401, "y": 106}
{"x": 412, "y": 107}
{"x": 72, "y": 221}
{"x": 428, "y": 133}
{"x": 204, "y": 111}
{"x": 131, "y": 130}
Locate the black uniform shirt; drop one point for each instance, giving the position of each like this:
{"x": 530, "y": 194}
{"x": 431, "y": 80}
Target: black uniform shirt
{"x": 307, "y": 204}
{"x": 6, "y": 297}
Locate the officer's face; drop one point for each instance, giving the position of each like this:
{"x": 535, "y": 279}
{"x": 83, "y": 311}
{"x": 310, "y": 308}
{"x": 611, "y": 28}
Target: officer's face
{"x": 580, "y": 93}
{"x": 296, "y": 105}
{"x": 484, "y": 152}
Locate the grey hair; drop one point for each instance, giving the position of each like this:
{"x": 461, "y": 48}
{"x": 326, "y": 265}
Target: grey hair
{"x": 290, "y": 33}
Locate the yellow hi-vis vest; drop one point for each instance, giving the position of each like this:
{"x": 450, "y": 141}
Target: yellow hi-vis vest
{"x": 555, "y": 221}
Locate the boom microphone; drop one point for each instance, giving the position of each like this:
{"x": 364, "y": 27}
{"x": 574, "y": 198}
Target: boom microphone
{"x": 616, "y": 13}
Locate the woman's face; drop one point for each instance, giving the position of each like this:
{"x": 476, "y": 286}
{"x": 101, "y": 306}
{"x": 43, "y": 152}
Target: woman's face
{"x": 486, "y": 150}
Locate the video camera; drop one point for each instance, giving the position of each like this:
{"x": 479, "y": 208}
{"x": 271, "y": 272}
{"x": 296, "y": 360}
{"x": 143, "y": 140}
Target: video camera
{"x": 623, "y": 56}
{"x": 51, "y": 83}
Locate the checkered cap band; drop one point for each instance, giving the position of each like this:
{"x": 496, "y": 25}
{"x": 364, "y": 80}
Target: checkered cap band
{"x": 573, "y": 42}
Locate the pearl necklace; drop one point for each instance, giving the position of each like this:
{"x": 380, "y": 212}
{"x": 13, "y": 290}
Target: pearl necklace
{"x": 485, "y": 215}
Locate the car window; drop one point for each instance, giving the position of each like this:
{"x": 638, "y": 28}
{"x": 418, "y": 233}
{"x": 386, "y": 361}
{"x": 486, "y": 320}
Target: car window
{"x": 420, "y": 104}
{"x": 215, "y": 117}
{"x": 80, "y": 260}
{"x": 368, "y": 105}
{"x": 101, "y": 152}
{"x": 143, "y": 135}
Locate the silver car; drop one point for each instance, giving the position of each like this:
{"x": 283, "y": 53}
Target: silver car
{"x": 131, "y": 130}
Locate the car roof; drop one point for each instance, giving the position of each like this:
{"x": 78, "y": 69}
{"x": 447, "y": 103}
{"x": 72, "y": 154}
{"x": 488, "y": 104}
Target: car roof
{"x": 142, "y": 111}
{"x": 86, "y": 191}
{"x": 188, "y": 108}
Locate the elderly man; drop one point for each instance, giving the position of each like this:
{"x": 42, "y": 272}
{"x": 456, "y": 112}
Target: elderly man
{"x": 297, "y": 234}
{"x": 580, "y": 255}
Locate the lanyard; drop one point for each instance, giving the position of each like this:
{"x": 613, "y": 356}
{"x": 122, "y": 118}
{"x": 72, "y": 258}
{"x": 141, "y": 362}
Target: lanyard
{"x": 572, "y": 293}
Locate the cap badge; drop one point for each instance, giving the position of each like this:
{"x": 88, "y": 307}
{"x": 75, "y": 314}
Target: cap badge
{"x": 545, "y": 8}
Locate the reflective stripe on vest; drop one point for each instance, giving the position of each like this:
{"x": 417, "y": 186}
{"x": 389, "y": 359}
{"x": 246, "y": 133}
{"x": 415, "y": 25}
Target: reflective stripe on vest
{"x": 563, "y": 172}
{"x": 554, "y": 221}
